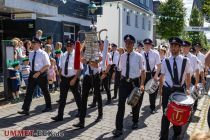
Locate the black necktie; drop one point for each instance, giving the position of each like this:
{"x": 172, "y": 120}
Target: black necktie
{"x": 66, "y": 65}
{"x": 33, "y": 61}
{"x": 127, "y": 66}
{"x": 176, "y": 78}
{"x": 112, "y": 56}
{"x": 147, "y": 62}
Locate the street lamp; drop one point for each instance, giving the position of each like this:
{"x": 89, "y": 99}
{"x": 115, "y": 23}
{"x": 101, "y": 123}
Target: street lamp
{"x": 91, "y": 10}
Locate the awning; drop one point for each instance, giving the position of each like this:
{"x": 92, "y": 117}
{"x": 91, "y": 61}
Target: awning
{"x": 28, "y": 6}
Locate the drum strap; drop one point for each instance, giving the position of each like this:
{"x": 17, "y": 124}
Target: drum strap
{"x": 182, "y": 70}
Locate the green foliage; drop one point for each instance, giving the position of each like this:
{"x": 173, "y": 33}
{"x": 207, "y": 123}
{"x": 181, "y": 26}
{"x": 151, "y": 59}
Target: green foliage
{"x": 171, "y": 19}
{"x": 206, "y": 7}
{"x": 197, "y": 19}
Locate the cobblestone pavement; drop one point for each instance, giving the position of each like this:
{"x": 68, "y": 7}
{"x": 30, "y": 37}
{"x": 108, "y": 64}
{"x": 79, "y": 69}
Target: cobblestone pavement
{"x": 149, "y": 125}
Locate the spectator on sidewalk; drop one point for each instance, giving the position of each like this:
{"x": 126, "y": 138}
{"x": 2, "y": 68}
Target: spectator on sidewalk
{"x": 15, "y": 77}
{"x": 25, "y": 70}
{"x": 52, "y": 74}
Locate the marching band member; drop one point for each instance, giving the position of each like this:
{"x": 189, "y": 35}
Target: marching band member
{"x": 140, "y": 48}
{"x": 194, "y": 63}
{"x": 201, "y": 58}
{"x": 115, "y": 61}
{"x": 117, "y": 74}
{"x": 104, "y": 72}
{"x": 173, "y": 76}
{"x": 162, "y": 53}
{"x": 153, "y": 64}
{"x": 39, "y": 62}
{"x": 69, "y": 80}
{"x": 91, "y": 74}
{"x": 130, "y": 77}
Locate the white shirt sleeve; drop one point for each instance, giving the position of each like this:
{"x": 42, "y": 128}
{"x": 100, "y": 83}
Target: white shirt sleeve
{"x": 163, "y": 68}
{"x": 158, "y": 61}
{"x": 142, "y": 63}
{"x": 46, "y": 59}
{"x": 188, "y": 67}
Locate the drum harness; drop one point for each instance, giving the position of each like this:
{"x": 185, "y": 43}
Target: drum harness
{"x": 175, "y": 86}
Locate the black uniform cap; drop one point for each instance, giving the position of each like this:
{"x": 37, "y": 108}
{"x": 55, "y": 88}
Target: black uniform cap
{"x": 175, "y": 40}
{"x": 129, "y": 37}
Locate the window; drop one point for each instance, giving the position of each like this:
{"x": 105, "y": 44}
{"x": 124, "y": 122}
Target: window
{"x": 69, "y": 31}
{"x": 143, "y": 24}
{"x": 147, "y": 3}
{"x": 141, "y": 1}
{"x": 128, "y": 19}
{"x": 149, "y": 26}
{"x": 136, "y": 21}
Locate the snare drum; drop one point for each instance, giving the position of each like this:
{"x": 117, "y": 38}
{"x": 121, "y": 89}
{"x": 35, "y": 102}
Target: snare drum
{"x": 151, "y": 86}
{"x": 179, "y": 108}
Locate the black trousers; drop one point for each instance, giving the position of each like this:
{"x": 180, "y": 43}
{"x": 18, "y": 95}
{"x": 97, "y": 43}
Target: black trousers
{"x": 42, "y": 81}
{"x": 85, "y": 92}
{"x": 124, "y": 91}
{"x": 105, "y": 83}
{"x": 64, "y": 88}
{"x": 165, "y": 123}
{"x": 117, "y": 82}
{"x": 152, "y": 97}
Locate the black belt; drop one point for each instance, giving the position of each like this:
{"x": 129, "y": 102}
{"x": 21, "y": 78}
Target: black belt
{"x": 129, "y": 79}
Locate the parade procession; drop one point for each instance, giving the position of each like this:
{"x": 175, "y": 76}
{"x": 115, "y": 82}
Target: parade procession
{"x": 106, "y": 80}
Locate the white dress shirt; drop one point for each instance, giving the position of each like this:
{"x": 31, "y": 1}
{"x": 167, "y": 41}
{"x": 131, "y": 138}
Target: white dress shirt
{"x": 41, "y": 59}
{"x": 71, "y": 70}
{"x": 193, "y": 63}
{"x": 201, "y": 58}
{"x": 136, "y": 64}
{"x": 154, "y": 59}
{"x": 179, "y": 60}
{"x": 115, "y": 58}
{"x": 107, "y": 62}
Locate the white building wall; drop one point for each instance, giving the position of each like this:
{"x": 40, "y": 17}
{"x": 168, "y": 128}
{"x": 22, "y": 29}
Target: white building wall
{"x": 110, "y": 21}
{"x": 116, "y": 30}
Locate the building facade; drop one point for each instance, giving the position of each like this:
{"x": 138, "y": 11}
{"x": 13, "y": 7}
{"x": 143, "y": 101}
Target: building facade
{"x": 123, "y": 17}
{"x": 56, "y": 18}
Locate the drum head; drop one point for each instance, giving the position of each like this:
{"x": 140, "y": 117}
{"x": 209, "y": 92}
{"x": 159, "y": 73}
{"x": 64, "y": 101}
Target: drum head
{"x": 182, "y": 98}
{"x": 149, "y": 84}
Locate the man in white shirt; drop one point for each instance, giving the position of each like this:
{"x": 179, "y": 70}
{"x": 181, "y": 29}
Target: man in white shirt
{"x": 39, "y": 64}
{"x": 175, "y": 71}
{"x": 130, "y": 80}
{"x": 115, "y": 61}
{"x": 201, "y": 58}
{"x": 152, "y": 64}
{"x": 69, "y": 80}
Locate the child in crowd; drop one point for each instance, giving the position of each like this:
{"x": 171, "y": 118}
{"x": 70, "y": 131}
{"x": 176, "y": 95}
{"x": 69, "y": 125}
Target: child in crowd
{"x": 15, "y": 78}
{"x": 52, "y": 74}
{"x": 25, "y": 70}
{"x": 58, "y": 54}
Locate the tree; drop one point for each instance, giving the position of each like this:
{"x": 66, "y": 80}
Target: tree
{"x": 206, "y": 9}
{"x": 171, "y": 19}
{"x": 197, "y": 19}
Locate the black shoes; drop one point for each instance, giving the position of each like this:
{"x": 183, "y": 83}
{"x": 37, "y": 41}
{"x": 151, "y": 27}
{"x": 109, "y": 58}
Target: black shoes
{"x": 117, "y": 133}
{"x": 114, "y": 97}
{"x": 108, "y": 102}
{"x": 135, "y": 126}
{"x": 92, "y": 105}
{"x": 79, "y": 125}
{"x": 99, "y": 118}
{"x": 26, "y": 113}
{"x": 57, "y": 118}
{"x": 47, "y": 109}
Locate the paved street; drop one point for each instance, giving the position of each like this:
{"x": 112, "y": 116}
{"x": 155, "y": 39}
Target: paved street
{"x": 149, "y": 125}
